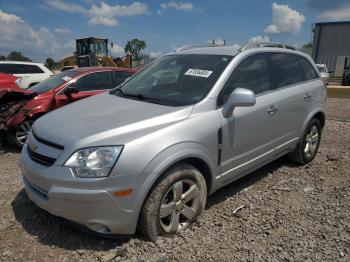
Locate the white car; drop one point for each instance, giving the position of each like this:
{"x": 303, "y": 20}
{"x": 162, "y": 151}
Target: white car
{"x": 322, "y": 68}
{"x": 30, "y": 73}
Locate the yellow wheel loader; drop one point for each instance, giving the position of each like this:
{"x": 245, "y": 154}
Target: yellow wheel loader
{"x": 92, "y": 51}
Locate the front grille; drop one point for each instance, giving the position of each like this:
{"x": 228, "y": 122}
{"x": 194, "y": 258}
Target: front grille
{"x": 38, "y": 191}
{"x": 45, "y": 142}
{"x": 41, "y": 159}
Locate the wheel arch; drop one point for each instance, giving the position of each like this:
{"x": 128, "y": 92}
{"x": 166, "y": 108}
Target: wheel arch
{"x": 202, "y": 166}
{"x": 193, "y": 157}
{"x": 194, "y": 161}
{"x": 318, "y": 114}
{"x": 321, "y": 117}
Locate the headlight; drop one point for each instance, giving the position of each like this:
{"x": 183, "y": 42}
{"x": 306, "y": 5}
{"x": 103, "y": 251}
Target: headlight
{"x": 94, "y": 161}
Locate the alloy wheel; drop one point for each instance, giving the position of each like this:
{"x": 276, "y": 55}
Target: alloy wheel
{"x": 311, "y": 142}
{"x": 179, "y": 206}
{"x": 22, "y": 132}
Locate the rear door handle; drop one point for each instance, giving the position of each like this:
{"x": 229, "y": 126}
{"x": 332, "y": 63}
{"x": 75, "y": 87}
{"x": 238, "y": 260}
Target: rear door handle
{"x": 307, "y": 97}
{"x": 272, "y": 109}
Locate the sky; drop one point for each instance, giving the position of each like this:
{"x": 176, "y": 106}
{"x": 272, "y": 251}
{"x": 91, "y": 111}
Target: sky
{"x": 48, "y": 28}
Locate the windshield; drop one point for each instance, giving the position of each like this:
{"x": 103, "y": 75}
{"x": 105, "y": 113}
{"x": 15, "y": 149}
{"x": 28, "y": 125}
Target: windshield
{"x": 99, "y": 48}
{"x": 175, "y": 80}
{"x": 53, "y": 81}
{"x": 82, "y": 47}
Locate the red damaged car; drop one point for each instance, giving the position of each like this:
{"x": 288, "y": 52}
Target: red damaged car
{"x": 20, "y": 108}
{"x": 9, "y": 81}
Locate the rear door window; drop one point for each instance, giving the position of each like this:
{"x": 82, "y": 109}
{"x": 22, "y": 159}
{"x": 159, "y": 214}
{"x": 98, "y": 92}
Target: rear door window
{"x": 286, "y": 69}
{"x": 20, "y": 69}
{"x": 309, "y": 72}
{"x": 95, "y": 81}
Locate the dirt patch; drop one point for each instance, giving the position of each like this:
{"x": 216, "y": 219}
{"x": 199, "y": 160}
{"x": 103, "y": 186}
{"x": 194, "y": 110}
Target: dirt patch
{"x": 338, "y": 108}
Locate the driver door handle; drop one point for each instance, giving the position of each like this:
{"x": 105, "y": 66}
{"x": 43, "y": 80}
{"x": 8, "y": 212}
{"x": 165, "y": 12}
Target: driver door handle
{"x": 272, "y": 109}
{"x": 307, "y": 97}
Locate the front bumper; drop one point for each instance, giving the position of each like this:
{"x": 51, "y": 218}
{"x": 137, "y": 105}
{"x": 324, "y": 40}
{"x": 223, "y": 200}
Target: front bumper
{"x": 89, "y": 202}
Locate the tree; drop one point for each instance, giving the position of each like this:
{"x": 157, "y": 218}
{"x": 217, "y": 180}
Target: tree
{"x": 2, "y": 58}
{"x": 134, "y": 47}
{"x": 50, "y": 63}
{"x": 17, "y": 56}
{"x": 308, "y": 45}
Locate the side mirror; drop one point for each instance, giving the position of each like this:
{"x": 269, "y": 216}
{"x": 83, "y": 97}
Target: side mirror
{"x": 239, "y": 97}
{"x": 330, "y": 72}
{"x": 71, "y": 90}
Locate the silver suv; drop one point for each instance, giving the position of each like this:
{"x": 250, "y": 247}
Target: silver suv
{"x": 147, "y": 154}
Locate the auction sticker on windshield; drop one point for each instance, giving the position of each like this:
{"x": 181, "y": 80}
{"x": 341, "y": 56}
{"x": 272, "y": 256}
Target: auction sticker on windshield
{"x": 66, "y": 78}
{"x": 198, "y": 72}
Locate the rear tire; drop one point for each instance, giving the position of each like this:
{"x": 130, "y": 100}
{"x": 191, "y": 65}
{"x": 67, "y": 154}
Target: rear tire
{"x": 308, "y": 146}
{"x": 174, "y": 203}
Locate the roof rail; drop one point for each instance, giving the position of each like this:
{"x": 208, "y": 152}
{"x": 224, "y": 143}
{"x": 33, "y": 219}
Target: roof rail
{"x": 188, "y": 47}
{"x": 265, "y": 44}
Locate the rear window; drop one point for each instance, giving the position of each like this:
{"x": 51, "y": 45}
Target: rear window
{"x": 309, "y": 72}
{"x": 20, "y": 69}
{"x": 287, "y": 70}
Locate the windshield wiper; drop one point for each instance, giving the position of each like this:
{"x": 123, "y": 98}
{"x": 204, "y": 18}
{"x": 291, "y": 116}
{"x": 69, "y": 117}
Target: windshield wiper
{"x": 117, "y": 91}
{"x": 140, "y": 97}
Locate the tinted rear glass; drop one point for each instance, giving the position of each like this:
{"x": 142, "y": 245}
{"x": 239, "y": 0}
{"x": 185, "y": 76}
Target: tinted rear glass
{"x": 20, "y": 69}
{"x": 287, "y": 70}
{"x": 53, "y": 81}
{"x": 309, "y": 72}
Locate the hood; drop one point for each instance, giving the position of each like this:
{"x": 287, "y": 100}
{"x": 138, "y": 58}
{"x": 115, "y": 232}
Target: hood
{"x": 106, "y": 119}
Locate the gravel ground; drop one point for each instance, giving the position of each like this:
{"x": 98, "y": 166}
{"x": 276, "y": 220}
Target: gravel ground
{"x": 289, "y": 213}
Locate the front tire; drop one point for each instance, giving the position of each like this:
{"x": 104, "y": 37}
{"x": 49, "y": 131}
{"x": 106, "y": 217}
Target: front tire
{"x": 17, "y": 137}
{"x": 309, "y": 143}
{"x": 174, "y": 203}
